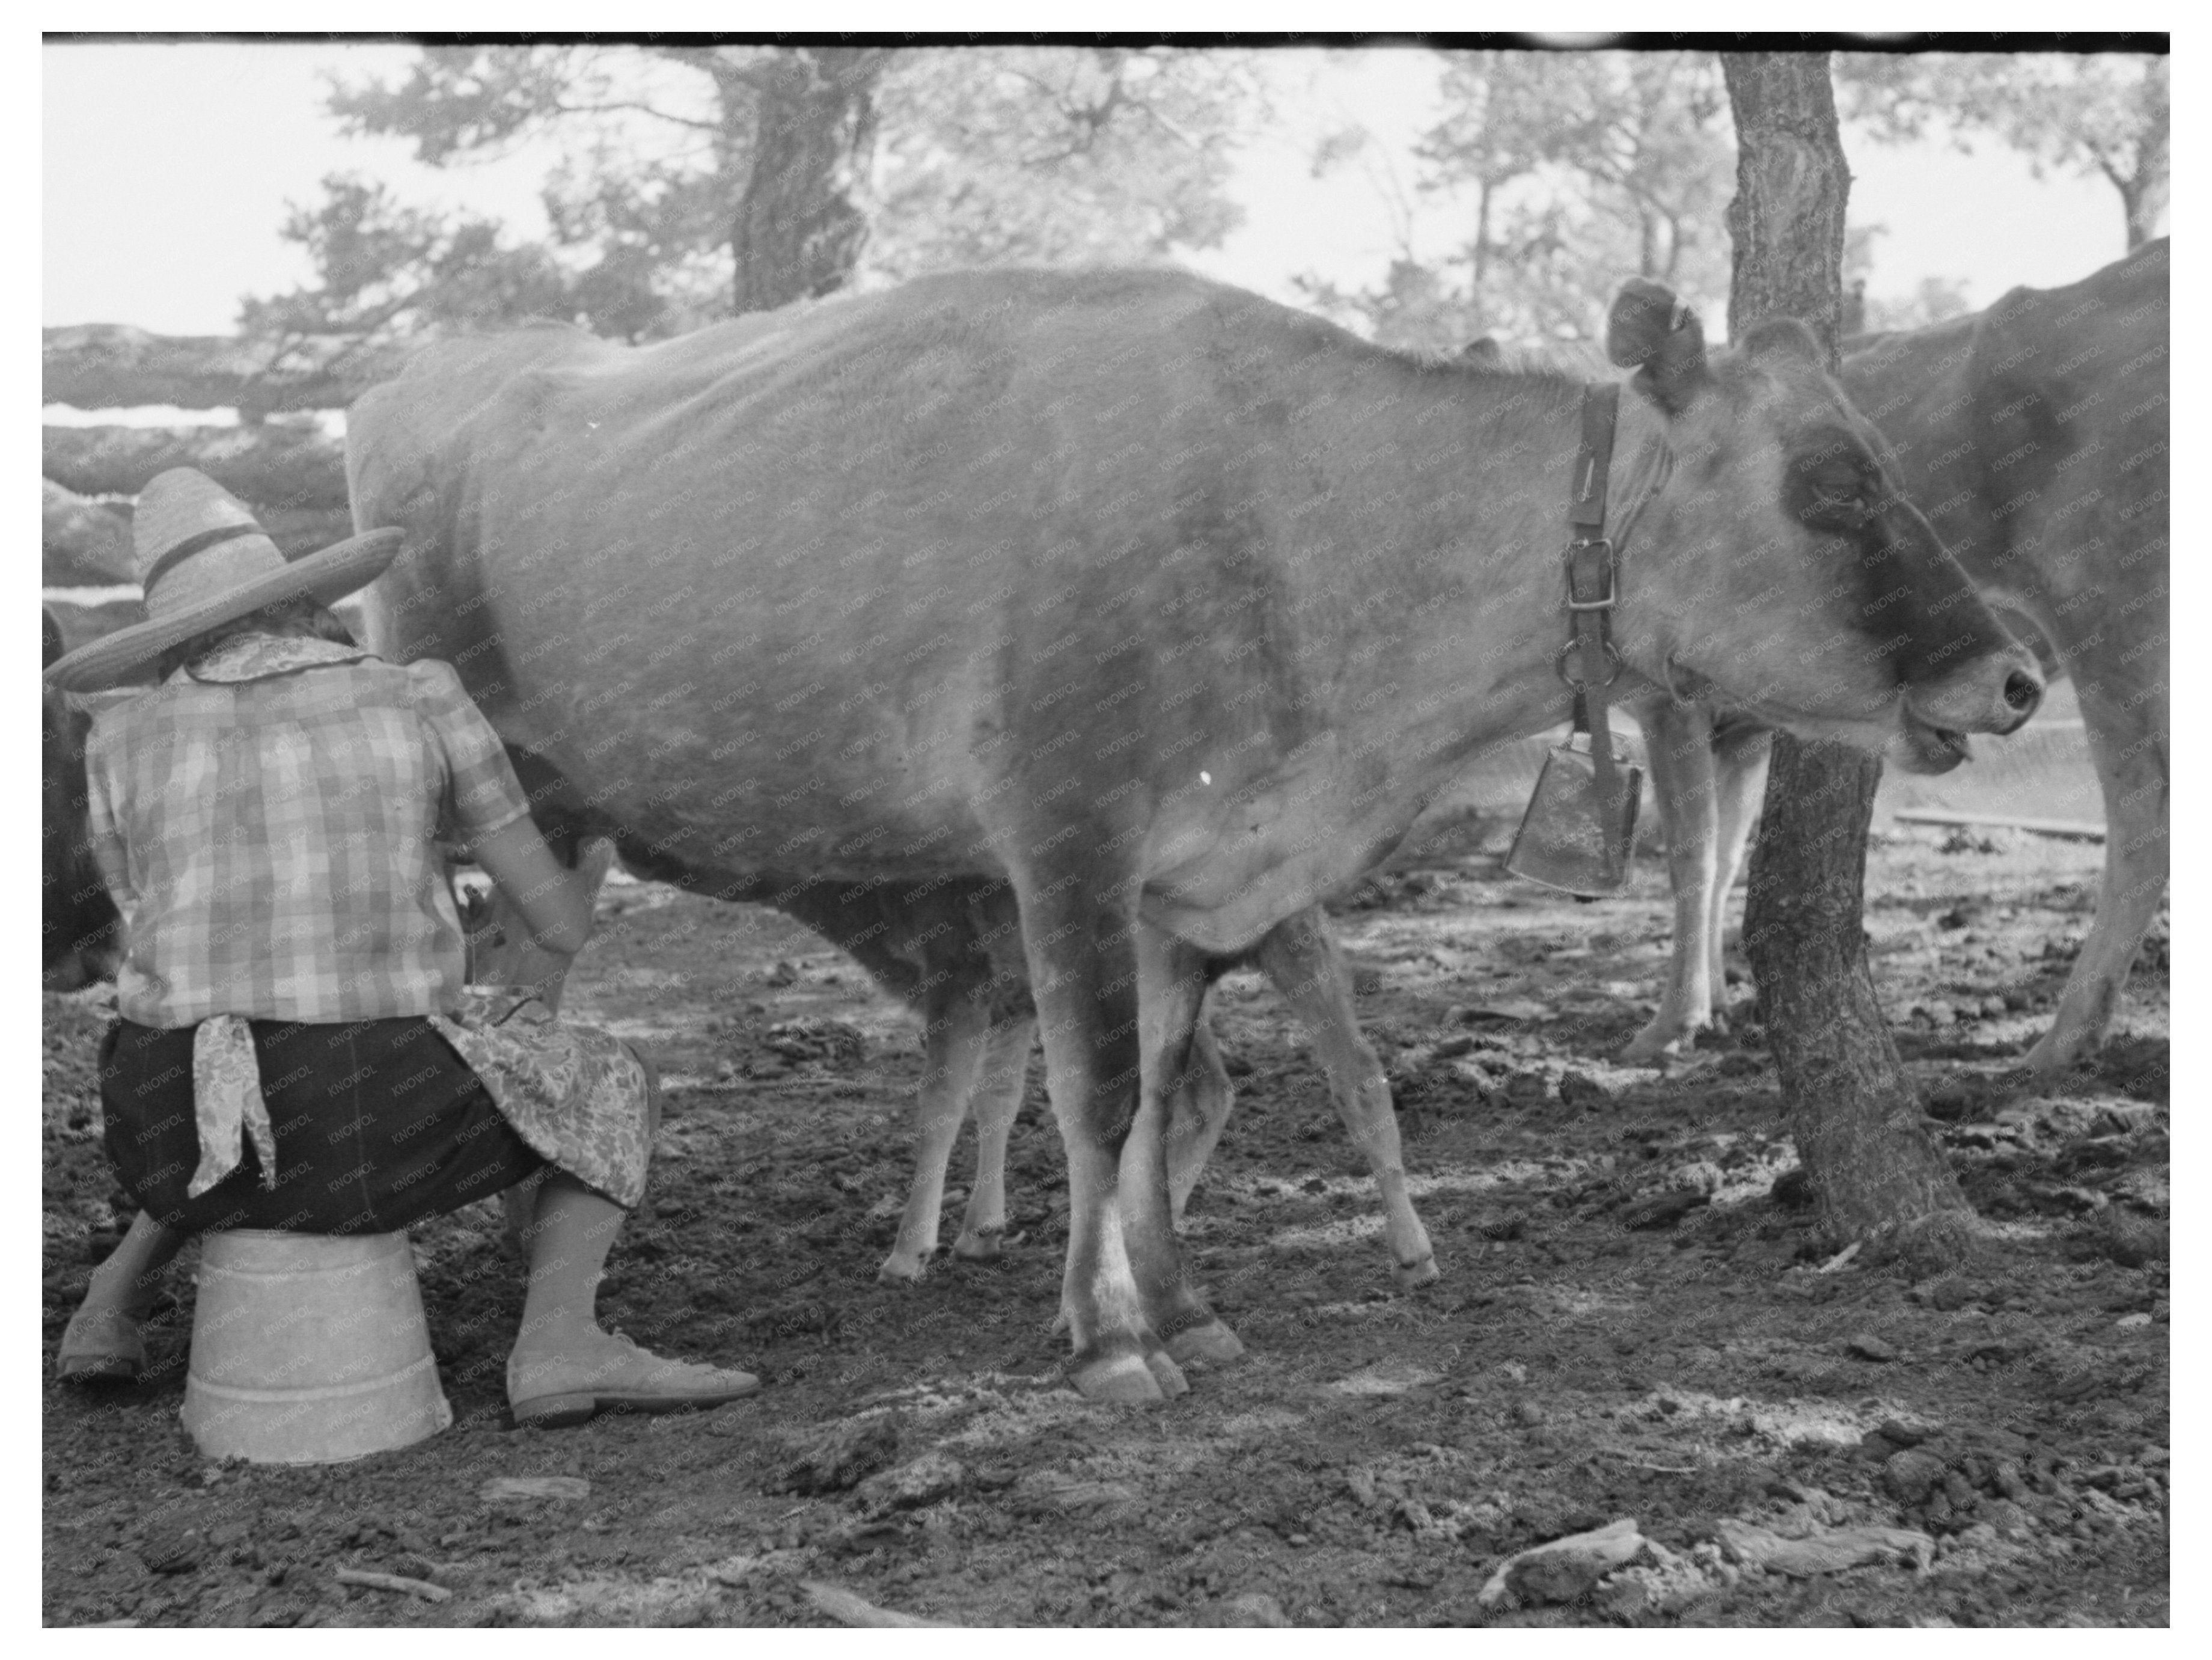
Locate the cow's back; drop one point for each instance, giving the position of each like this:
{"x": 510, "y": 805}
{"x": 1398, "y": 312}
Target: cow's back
{"x": 2034, "y": 435}
{"x": 788, "y": 549}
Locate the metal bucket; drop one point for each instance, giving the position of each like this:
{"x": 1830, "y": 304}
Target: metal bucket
{"x": 309, "y": 1349}
{"x": 1569, "y": 838}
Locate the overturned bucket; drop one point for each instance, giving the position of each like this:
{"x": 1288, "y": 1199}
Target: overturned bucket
{"x": 309, "y": 1349}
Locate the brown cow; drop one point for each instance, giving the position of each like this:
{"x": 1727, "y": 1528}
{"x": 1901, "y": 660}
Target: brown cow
{"x": 951, "y": 951}
{"x": 1171, "y": 606}
{"x": 2034, "y": 436}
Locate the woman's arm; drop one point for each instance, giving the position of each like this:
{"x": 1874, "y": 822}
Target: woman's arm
{"x": 554, "y": 902}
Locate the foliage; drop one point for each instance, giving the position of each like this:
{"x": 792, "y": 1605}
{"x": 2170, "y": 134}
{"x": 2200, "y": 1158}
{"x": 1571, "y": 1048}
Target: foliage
{"x": 1044, "y": 155}
{"x": 1934, "y": 300}
{"x": 1574, "y": 170}
{"x": 2104, "y": 115}
{"x": 980, "y": 156}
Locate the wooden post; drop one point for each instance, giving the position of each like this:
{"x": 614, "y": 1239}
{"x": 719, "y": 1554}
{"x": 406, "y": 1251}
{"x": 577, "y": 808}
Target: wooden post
{"x": 1873, "y": 1170}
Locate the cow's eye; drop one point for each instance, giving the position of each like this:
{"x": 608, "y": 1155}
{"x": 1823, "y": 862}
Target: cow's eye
{"x": 1850, "y": 495}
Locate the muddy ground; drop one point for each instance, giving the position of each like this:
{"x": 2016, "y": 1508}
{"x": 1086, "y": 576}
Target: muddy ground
{"x": 1634, "y": 1321}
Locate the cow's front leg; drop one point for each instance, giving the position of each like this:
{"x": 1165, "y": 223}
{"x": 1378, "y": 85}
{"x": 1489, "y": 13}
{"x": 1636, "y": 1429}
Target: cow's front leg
{"x": 1678, "y": 739}
{"x": 1740, "y": 757}
{"x": 1178, "y": 1057}
{"x": 1082, "y": 976}
{"x": 998, "y": 1103}
{"x": 954, "y": 1042}
{"x": 1302, "y": 959}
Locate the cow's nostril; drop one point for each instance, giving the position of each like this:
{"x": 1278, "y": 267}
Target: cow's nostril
{"x": 2023, "y": 691}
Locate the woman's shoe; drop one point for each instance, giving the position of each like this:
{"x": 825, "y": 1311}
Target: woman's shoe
{"x": 100, "y": 1345}
{"x": 554, "y": 1390}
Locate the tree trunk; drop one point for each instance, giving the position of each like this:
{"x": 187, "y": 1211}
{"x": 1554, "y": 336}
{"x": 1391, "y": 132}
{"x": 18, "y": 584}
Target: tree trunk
{"x": 2145, "y": 193}
{"x": 1873, "y": 1168}
{"x": 274, "y": 465}
{"x": 797, "y": 234}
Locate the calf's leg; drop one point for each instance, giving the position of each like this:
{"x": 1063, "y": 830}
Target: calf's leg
{"x": 954, "y": 1044}
{"x": 998, "y": 1103}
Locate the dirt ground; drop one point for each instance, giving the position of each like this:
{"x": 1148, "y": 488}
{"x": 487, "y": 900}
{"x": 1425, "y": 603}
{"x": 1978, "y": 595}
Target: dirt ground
{"x": 1634, "y": 1321}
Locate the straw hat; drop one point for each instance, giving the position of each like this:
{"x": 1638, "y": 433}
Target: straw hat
{"x": 202, "y": 560}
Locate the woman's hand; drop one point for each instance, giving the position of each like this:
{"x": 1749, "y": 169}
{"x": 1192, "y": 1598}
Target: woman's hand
{"x": 508, "y": 942}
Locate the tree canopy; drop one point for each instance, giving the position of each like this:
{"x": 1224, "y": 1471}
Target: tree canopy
{"x": 698, "y": 181}
{"x": 2105, "y": 115}
{"x": 1574, "y": 170}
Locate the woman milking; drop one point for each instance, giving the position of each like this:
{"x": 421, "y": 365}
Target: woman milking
{"x": 295, "y": 1048}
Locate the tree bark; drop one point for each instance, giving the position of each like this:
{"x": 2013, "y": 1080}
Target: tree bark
{"x": 797, "y": 233}
{"x": 1873, "y": 1170}
{"x": 98, "y": 366}
{"x": 272, "y": 465}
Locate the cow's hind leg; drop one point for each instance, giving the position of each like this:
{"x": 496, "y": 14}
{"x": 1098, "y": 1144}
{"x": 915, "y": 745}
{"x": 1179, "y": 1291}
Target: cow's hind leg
{"x": 955, "y": 1043}
{"x": 997, "y": 1102}
{"x": 2125, "y": 716}
{"x": 1298, "y": 955}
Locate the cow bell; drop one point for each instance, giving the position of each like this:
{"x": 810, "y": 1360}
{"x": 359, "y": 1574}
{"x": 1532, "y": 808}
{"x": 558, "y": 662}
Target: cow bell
{"x": 1570, "y": 838}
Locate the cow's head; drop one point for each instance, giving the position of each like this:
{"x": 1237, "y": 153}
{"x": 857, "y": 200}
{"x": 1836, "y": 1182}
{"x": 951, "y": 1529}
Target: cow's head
{"x": 80, "y": 933}
{"x": 1790, "y": 579}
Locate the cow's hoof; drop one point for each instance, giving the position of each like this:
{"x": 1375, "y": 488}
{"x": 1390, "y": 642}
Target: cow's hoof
{"x": 1410, "y": 1276}
{"x": 2050, "y": 1056}
{"x": 980, "y": 1246}
{"x": 1168, "y": 1374}
{"x": 1212, "y": 1342}
{"x": 1118, "y": 1380}
{"x": 1661, "y": 1040}
{"x": 902, "y": 1270}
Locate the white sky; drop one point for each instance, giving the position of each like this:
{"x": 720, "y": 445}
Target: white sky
{"x": 167, "y": 168}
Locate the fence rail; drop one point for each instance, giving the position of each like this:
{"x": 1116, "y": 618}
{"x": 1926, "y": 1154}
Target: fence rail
{"x": 292, "y": 477}
{"x": 97, "y": 366}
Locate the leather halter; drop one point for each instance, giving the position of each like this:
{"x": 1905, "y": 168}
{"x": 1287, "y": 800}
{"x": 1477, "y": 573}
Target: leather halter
{"x": 1588, "y": 662}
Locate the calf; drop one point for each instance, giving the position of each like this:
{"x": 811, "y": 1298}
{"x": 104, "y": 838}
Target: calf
{"x": 951, "y": 954}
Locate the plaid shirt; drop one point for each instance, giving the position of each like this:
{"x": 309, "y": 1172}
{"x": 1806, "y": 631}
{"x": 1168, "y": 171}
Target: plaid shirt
{"x": 268, "y": 820}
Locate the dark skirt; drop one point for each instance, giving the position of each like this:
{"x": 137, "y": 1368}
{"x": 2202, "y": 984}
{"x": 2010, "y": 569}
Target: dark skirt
{"x": 379, "y": 1124}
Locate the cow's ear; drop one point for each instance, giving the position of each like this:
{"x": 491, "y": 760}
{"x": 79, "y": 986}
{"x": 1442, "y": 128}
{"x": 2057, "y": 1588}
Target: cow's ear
{"x": 1650, "y": 331}
{"x": 1783, "y": 336}
{"x": 1483, "y": 354}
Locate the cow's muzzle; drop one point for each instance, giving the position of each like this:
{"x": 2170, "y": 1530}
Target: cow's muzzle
{"x": 1995, "y": 692}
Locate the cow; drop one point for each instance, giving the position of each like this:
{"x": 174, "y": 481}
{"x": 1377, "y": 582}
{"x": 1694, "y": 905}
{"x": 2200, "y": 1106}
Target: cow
{"x": 950, "y": 951}
{"x": 1167, "y": 606}
{"x": 80, "y": 932}
{"x": 2034, "y": 437}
